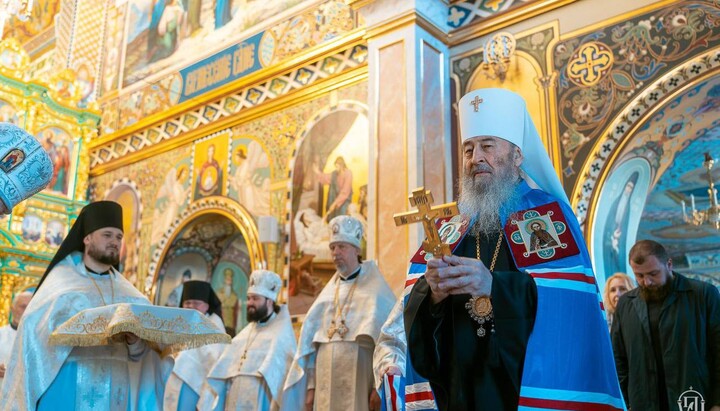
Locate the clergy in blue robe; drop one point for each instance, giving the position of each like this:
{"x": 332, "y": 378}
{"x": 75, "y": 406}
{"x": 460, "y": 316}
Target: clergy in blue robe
{"x": 125, "y": 375}
{"x": 502, "y": 324}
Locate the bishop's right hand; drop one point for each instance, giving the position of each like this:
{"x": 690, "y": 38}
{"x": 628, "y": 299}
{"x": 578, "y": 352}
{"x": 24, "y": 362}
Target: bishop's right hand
{"x": 457, "y": 275}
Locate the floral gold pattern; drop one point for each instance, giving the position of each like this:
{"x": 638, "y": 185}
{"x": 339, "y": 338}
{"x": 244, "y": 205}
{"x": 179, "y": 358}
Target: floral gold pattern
{"x": 175, "y": 329}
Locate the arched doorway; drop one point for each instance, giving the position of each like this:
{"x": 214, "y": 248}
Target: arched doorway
{"x": 214, "y": 240}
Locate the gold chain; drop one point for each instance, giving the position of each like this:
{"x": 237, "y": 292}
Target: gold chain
{"x": 251, "y": 339}
{"x": 337, "y": 324}
{"x": 112, "y": 289}
{"x": 480, "y": 308}
{"x": 497, "y": 250}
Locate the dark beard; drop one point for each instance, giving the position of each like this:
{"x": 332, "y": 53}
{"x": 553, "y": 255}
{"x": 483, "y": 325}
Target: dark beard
{"x": 259, "y": 314}
{"x": 104, "y": 258}
{"x": 484, "y": 200}
{"x": 656, "y": 294}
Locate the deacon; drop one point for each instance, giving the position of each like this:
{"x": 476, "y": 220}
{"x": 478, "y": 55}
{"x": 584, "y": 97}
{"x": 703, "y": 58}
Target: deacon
{"x": 25, "y": 167}
{"x": 249, "y": 375}
{"x": 340, "y": 331}
{"x": 183, "y": 387}
{"x": 506, "y": 323}
{"x": 82, "y": 275}
{"x": 9, "y": 332}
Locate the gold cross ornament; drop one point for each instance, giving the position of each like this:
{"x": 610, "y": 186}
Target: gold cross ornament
{"x": 426, "y": 214}
{"x": 476, "y": 103}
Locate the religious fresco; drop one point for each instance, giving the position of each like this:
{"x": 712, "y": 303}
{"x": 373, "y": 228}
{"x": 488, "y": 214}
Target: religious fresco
{"x": 261, "y": 151}
{"x": 55, "y": 233}
{"x": 113, "y": 45}
{"x": 43, "y": 18}
{"x": 178, "y": 269}
{"x": 209, "y": 248}
{"x": 172, "y": 196}
{"x": 602, "y": 70}
{"x": 230, "y": 280}
{"x": 158, "y": 29}
{"x": 210, "y": 163}
{"x": 126, "y": 194}
{"x": 32, "y": 228}
{"x": 249, "y": 176}
{"x": 8, "y": 113}
{"x": 658, "y": 171}
{"x": 162, "y": 191}
{"x": 329, "y": 179}
{"x": 60, "y": 146}
{"x": 239, "y": 57}
{"x": 31, "y": 234}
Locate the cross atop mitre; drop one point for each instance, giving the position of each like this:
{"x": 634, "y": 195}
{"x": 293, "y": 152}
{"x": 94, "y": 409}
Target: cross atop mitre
{"x": 427, "y": 214}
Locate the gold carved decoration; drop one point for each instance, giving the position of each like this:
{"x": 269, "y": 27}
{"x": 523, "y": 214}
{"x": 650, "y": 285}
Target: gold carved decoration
{"x": 496, "y": 56}
{"x": 590, "y": 64}
{"x": 64, "y": 88}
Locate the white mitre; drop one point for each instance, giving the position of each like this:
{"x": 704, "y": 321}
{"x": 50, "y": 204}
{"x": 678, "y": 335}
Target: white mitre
{"x": 265, "y": 283}
{"x": 503, "y": 114}
{"x": 346, "y": 229}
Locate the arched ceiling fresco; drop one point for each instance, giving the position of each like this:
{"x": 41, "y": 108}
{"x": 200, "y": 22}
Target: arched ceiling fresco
{"x": 674, "y": 141}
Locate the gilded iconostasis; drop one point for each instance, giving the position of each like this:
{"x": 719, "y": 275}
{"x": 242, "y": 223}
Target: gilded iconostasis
{"x": 204, "y": 118}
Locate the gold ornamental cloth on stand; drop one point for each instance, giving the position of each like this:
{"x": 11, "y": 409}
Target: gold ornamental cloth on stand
{"x": 173, "y": 329}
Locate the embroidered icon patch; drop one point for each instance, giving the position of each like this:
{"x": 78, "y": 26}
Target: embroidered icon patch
{"x": 540, "y": 234}
{"x": 11, "y": 160}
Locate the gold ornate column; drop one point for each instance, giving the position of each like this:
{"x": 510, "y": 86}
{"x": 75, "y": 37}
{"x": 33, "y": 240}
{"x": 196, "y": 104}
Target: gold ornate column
{"x": 409, "y": 101}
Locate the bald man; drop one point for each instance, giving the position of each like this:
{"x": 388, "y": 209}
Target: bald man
{"x": 8, "y": 332}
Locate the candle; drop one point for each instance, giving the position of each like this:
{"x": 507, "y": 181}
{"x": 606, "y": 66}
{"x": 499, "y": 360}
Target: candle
{"x": 692, "y": 203}
{"x": 683, "y": 207}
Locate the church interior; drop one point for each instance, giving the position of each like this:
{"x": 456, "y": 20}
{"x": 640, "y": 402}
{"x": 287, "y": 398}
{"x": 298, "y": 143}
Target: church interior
{"x": 232, "y": 132}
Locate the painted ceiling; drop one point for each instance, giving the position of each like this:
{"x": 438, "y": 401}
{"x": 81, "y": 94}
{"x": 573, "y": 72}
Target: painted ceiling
{"x": 674, "y": 141}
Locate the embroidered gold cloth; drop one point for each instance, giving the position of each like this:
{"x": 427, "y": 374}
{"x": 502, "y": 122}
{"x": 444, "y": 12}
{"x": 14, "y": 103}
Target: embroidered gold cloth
{"x": 173, "y": 329}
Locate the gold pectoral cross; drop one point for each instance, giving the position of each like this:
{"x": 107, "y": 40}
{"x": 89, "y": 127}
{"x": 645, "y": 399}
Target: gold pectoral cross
{"x": 426, "y": 214}
{"x": 340, "y": 329}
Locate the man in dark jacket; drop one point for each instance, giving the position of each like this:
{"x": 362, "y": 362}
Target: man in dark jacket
{"x": 666, "y": 336}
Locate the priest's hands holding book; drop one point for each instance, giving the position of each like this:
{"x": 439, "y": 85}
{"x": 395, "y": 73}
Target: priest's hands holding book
{"x": 452, "y": 275}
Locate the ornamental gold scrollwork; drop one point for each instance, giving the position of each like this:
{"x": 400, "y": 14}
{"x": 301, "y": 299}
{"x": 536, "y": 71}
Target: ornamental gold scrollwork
{"x": 590, "y": 64}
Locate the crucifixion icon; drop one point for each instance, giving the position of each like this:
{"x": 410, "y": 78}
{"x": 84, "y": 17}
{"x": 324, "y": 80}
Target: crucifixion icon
{"x": 427, "y": 214}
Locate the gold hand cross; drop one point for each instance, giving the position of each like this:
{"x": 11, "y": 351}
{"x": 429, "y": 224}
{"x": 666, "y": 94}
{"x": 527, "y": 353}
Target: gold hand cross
{"x": 423, "y": 199}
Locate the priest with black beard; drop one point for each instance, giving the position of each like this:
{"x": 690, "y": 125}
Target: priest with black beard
{"x": 82, "y": 275}
{"x": 250, "y": 373}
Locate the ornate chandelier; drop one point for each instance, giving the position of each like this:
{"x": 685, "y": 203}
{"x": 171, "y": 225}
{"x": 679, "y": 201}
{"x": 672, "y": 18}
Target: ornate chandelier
{"x": 711, "y": 216}
{"x": 14, "y": 8}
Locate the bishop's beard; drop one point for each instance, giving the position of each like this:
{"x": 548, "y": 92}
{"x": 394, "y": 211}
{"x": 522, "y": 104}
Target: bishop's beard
{"x": 484, "y": 199}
